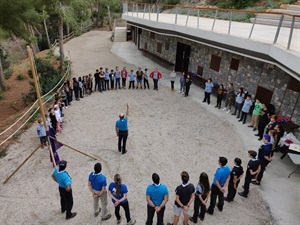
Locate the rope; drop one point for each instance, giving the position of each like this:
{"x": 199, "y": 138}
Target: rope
{"x": 26, "y": 121}
{"x": 36, "y": 102}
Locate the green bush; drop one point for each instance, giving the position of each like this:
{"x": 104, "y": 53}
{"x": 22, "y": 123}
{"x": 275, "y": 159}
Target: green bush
{"x": 21, "y": 77}
{"x": 49, "y": 77}
{"x": 7, "y": 74}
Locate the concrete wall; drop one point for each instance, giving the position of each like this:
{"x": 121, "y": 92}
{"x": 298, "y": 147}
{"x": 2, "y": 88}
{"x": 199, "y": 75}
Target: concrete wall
{"x": 250, "y": 74}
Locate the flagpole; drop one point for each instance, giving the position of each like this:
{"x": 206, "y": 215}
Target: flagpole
{"x": 16, "y": 170}
{"x": 38, "y": 94}
{"x": 76, "y": 150}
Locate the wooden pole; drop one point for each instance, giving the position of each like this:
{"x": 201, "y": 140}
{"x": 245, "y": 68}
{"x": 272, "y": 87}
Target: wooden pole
{"x": 22, "y": 164}
{"x": 76, "y": 150}
{"x": 37, "y": 89}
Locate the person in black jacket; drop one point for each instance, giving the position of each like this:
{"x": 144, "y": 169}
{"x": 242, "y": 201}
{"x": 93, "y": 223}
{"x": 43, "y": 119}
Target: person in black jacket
{"x": 188, "y": 82}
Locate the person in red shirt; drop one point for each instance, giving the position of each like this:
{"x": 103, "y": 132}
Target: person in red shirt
{"x": 124, "y": 74}
{"x": 155, "y": 75}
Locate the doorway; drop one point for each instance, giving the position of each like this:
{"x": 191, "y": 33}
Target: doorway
{"x": 182, "y": 57}
{"x": 264, "y": 94}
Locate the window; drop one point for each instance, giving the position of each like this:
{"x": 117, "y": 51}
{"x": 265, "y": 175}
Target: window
{"x": 234, "y": 65}
{"x": 294, "y": 85}
{"x": 152, "y": 35}
{"x": 158, "y": 47}
{"x": 200, "y": 71}
{"x": 167, "y": 46}
{"x": 215, "y": 63}
{"x": 145, "y": 45}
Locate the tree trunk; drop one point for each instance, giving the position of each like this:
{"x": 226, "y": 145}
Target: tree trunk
{"x": 109, "y": 18}
{"x": 61, "y": 43}
{"x": 2, "y": 82}
{"x": 47, "y": 34}
{"x": 15, "y": 39}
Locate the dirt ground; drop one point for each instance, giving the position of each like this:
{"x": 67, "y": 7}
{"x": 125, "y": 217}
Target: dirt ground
{"x": 168, "y": 134}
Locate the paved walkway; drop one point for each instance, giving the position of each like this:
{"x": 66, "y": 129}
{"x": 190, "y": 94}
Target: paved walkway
{"x": 281, "y": 194}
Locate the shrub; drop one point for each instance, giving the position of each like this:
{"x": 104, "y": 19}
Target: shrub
{"x": 49, "y": 77}
{"x": 21, "y": 77}
{"x": 7, "y": 74}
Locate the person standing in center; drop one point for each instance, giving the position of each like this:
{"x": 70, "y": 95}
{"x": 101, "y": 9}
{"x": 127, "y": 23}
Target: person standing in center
{"x": 218, "y": 186}
{"x": 122, "y": 130}
{"x": 185, "y": 194}
{"x": 61, "y": 176}
{"x": 97, "y": 185}
{"x": 208, "y": 90}
{"x": 157, "y": 196}
{"x": 155, "y": 75}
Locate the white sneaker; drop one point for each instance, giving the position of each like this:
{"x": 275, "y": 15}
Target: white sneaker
{"x": 131, "y": 222}
{"x": 228, "y": 111}
{"x": 179, "y": 92}
{"x": 224, "y": 109}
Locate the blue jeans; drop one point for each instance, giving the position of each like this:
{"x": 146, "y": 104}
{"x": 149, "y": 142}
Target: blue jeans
{"x": 155, "y": 81}
{"x": 118, "y": 83}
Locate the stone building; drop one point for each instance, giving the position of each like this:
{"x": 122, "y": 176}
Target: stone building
{"x": 276, "y": 83}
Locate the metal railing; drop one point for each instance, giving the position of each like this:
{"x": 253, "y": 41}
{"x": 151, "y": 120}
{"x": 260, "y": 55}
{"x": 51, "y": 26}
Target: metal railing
{"x": 283, "y": 31}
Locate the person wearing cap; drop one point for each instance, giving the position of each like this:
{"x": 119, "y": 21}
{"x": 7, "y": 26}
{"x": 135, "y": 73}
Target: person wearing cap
{"x": 122, "y": 130}
{"x": 218, "y": 186}
{"x": 265, "y": 155}
{"x": 253, "y": 168}
{"x": 97, "y": 185}
{"x": 157, "y": 196}
{"x": 61, "y": 176}
{"x": 185, "y": 195}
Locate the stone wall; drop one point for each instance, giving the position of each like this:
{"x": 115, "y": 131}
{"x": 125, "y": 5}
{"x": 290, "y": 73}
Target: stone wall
{"x": 250, "y": 74}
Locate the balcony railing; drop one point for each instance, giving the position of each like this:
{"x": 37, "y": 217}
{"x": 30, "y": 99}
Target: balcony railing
{"x": 276, "y": 28}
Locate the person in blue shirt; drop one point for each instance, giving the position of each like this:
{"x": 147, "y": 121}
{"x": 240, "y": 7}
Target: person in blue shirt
{"x": 208, "y": 90}
{"x": 118, "y": 193}
{"x": 64, "y": 181}
{"x": 97, "y": 186}
{"x": 106, "y": 79}
{"x": 201, "y": 198}
{"x": 157, "y": 196}
{"x": 265, "y": 156}
{"x": 246, "y": 108}
{"x": 218, "y": 186}
{"x": 41, "y": 132}
{"x": 131, "y": 79}
{"x": 122, "y": 130}
{"x": 117, "y": 77}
